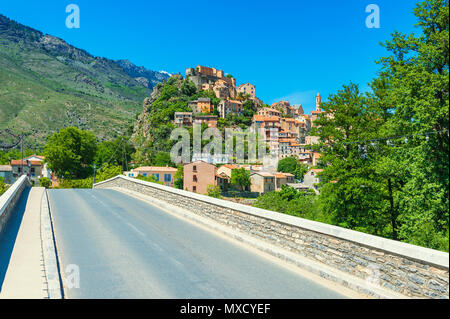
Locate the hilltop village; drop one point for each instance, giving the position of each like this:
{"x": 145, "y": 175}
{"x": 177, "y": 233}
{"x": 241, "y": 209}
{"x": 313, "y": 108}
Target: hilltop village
{"x": 227, "y": 100}
{"x": 292, "y": 123}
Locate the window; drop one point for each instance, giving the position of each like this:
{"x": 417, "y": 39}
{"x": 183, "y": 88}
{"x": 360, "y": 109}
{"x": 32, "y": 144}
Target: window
{"x": 194, "y": 189}
{"x": 194, "y": 178}
{"x": 194, "y": 168}
{"x": 167, "y": 177}
{"x": 144, "y": 174}
{"x": 156, "y": 176}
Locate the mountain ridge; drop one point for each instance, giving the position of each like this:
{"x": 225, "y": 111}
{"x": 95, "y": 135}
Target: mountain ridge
{"x": 46, "y": 84}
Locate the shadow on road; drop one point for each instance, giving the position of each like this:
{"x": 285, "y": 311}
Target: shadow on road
{"x": 8, "y": 238}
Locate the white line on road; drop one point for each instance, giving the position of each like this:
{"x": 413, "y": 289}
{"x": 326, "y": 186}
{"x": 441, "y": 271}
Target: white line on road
{"x": 118, "y": 216}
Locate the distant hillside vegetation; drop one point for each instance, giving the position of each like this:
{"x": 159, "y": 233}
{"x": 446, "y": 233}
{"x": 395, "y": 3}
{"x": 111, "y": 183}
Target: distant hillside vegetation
{"x": 46, "y": 84}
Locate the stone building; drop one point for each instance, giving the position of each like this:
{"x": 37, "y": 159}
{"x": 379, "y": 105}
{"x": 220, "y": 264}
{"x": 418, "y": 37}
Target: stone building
{"x": 312, "y": 179}
{"x": 226, "y": 107}
{"x": 284, "y": 107}
{"x": 205, "y": 75}
{"x": 201, "y": 105}
{"x": 183, "y": 118}
{"x": 262, "y": 182}
{"x": 267, "y": 111}
{"x": 283, "y": 179}
{"x": 247, "y": 88}
{"x": 210, "y": 120}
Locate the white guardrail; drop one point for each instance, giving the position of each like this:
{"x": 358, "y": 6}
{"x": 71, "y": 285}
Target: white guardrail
{"x": 10, "y": 198}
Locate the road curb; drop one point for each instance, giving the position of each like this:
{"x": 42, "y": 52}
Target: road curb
{"x": 51, "y": 266}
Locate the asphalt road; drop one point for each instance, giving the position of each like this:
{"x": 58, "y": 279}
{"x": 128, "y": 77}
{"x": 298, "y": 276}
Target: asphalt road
{"x": 126, "y": 248}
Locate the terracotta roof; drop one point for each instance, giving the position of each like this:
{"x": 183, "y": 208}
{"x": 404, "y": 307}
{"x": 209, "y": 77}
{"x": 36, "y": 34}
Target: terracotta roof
{"x": 288, "y": 174}
{"x": 262, "y": 118}
{"x": 286, "y": 140}
{"x": 231, "y": 166}
{"x": 283, "y": 175}
{"x": 154, "y": 169}
{"x": 316, "y": 170}
{"x": 25, "y": 163}
{"x": 266, "y": 174}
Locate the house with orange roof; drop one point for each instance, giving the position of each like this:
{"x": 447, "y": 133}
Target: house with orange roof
{"x": 226, "y": 169}
{"x": 283, "y": 179}
{"x": 163, "y": 174}
{"x": 31, "y": 168}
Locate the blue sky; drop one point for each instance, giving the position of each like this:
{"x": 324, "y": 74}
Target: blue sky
{"x": 289, "y": 49}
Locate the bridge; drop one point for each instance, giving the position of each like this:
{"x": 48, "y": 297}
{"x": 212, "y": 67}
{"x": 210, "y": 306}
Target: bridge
{"x": 127, "y": 238}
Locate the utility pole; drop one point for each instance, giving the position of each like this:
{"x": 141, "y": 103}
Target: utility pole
{"x": 124, "y": 155}
{"x": 21, "y": 151}
{"x": 95, "y": 166}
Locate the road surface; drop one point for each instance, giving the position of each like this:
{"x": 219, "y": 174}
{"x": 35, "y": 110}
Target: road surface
{"x": 127, "y": 248}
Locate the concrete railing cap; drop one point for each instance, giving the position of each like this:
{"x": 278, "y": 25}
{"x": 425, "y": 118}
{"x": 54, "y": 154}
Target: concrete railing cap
{"x": 9, "y": 194}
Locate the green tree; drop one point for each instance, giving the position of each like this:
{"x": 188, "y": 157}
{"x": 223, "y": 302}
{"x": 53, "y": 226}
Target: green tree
{"x": 240, "y": 178}
{"x": 45, "y": 182}
{"x": 3, "y": 186}
{"x": 150, "y": 178}
{"x": 417, "y": 72}
{"x": 179, "y": 177}
{"x": 188, "y": 87}
{"x": 393, "y": 187}
{"x": 70, "y": 152}
{"x": 293, "y": 166}
{"x": 355, "y": 201}
{"x": 213, "y": 191}
{"x": 162, "y": 159}
{"x": 117, "y": 152}
{"x": 106, "y": 172}
{"x": 292, "y": 202}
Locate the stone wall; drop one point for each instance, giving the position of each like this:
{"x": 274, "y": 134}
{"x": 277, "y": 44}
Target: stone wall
{"x": 9, "y": 200}
{"x": 409, "y": 270}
